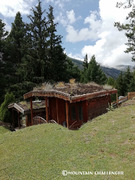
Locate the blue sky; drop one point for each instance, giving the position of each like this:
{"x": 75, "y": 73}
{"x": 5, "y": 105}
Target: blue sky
{"x": 87, "y": 27}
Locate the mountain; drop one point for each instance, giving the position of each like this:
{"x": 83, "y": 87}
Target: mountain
{"x": 124, "y": 67}
{"x": 109, "y": 72}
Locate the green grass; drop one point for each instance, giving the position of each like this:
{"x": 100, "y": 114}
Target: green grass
{"x": 3, "y": 130}
{"x": 41, "y": 152}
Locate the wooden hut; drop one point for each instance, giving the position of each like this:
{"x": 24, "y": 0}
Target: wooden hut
{"x": 22, "y": 110}
{"x": 72, "y": 104}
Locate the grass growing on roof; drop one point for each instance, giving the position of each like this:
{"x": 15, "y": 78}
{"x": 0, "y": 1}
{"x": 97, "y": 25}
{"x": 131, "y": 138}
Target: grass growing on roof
{"x": 41, "y": 152}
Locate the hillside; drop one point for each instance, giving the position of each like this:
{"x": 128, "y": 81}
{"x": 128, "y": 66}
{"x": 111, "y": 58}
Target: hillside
{"x": 110, "y": 72}
{"x": 42, "y": 152}
{"x": 124, "y": 67}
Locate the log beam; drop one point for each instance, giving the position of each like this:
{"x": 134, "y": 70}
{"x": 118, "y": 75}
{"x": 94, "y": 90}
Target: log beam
{"x": 67, "y": 113}
{"x": 31, "y": 108}
{"x": 46, "y": 107}
{"x": 57, "y": 110}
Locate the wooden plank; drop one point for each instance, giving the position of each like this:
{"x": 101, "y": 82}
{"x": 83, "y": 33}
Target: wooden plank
{"x": 31, "y": 108}
{"x": 57, "y": 110}
{"x": 52, "y": 108}
{"x": 66, "y": 96}
{"x": 76, "y": 111}
{"x": 57, "y": 94}
{"x": 85, "y": 111}
{"x": 46, "y": 107}
{"x": 91, "y": 96}
{"x": 117, "y": 100}
{"x": 67, "y": 113}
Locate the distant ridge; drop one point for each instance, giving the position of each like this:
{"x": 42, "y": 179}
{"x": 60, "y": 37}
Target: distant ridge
{"x": 109, "y": 72}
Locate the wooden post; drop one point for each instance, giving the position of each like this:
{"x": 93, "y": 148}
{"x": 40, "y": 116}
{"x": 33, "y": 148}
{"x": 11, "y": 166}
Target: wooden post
{"x": 19, "y": 120}
{"x": 117, "y": 98}
{"x": 57, "y": 110}
{"x": 13, "y": 119}
{"x": 67, "y": 113}
{"x": 46, "y": 107}
{"x": 31, "y": 107}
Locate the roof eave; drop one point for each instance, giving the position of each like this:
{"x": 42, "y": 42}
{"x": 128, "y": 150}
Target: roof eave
{"x": 66, "y": 96}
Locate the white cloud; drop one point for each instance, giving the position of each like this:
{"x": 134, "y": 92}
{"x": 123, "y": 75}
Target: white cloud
{"x": 7, "y": 26}
{"x": 75, "y": 56}
{"x": 49, "y": 1}
{"x": 93, "y": 21}
{"x": 9, "y": 8}
{"x": 71, "y": 16}
{"x": 84, "y": 34}
{"x": 67, "y": 19}
{"x": 109, "y": 48}
{"x": 59, "y": 3}
{"x": 61, "y": 19}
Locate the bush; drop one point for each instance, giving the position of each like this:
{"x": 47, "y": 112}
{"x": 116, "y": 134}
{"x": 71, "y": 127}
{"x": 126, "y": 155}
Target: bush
{"x": 4, "y": 112}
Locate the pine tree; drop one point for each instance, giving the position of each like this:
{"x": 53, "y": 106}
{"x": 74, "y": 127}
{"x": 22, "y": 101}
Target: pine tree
{"x": 72, "y": 71}
{"x": 132, "y": 83}
{"x": 94, "y": 72}
{"x": 111, "y": 82}
{"x": 85, "y": 68}
{"x": 130, "y": 32}
{"x": 35, "y": 61}
{"x": 14, "y": 53}
{"x": 120, "y": 85}
{"x": 56, "y": 56}
{"x": 85, "y": 62}
{"x": 3, "y": 35}
{"x": 128, "y": 76}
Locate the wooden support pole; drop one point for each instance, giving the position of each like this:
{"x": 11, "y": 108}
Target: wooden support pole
{"x": 13, "y": 119}
{"x": 67, "y": 113}
{"x": 46, "y": 107}
{"x": 31, "y": 108}
{"x": 19, "y": 125}
{"x": 57, "y": 110}
{"x": 117, "y": 98}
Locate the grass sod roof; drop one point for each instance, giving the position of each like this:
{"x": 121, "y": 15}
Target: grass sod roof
{"x": 24, "y": 106}
{"x": 70, "y": 91}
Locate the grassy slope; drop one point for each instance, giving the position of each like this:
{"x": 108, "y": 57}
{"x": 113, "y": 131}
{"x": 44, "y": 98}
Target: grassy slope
{"x": 42, "y": 152}
{"x": 3, "y": 130}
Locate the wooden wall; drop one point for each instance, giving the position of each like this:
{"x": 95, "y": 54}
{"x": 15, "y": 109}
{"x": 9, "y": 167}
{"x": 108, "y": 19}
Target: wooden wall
{"x": 52, "y": 109}
{"x": 57, "y": 110}
{"x": 98, "y": 106}
{"x": 89, "y": 108}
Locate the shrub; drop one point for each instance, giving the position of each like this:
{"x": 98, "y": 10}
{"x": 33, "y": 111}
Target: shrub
{"x": 4, "y": 112}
